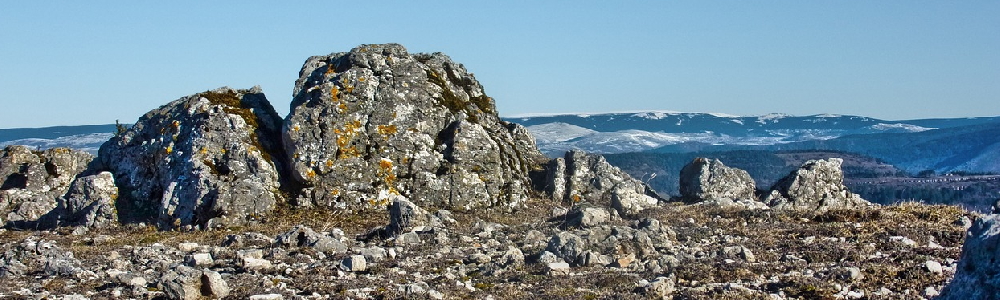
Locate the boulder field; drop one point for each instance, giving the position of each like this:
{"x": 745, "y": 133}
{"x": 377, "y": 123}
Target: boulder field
{"x": 393, "y": 177}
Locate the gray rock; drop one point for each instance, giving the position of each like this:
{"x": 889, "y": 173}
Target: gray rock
{"x": 198, "y": 260}
{"x": 207, "y": 159}
{"x": 709, "y": 179}
{"x": 933, "y": 267}
{"x": 90, "y": 202}
{"x": 303, "y": 236}
{"x": 354, "y": 263}
{"x": 513, "y": 257}
{"x": 549, "y": 257}
{"x": 404, "y": 216}
{"x": 378, "y": 122}
{"x": 373, "y": 254}
{"x": 409, "y": 238}
{"x": 31, "y": 181}
{"x": 581, "y": 177}
{"x": 817, "y": 185}
{"x": 586, "y": 216}
{"x": 213, "y": 285}
{"x": 182, "y": 283}
{"x": 267, "y": 297}
{"x": 247, "y": 240}
{"x": 661, "y": 288}
{"x": 567, "y": 246}
{"x": 975, "y": 275}
{"x": 558, "y": 268}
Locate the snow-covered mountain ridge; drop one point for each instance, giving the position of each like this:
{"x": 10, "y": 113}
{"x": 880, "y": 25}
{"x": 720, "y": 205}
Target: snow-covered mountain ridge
{"x": 634, "y": 131}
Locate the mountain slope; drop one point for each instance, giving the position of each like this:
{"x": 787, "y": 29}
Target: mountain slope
{"x": 640, "y": 131}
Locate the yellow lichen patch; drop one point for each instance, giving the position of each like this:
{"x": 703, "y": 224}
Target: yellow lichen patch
{"x": 361, "y": 79}
{"x": 385, "y": 170}
{"x": 348, "y": 152}
{"x": 576, "y": 198}
{"x": 295, "y": 128}
{"x": 350, "y": 88}
{"x": 329, "y": 163}
{"x": 387, "y": 129}
{"x": 203, "y": 151}
{"x": 333, "y": 94}
{"x": 170, "y": 149}
{"x": 175, "y": 124}
{"x": 335, "y": 192}
{"x": 330, "y": 69}
{"x": 342, "y": 107}
{"x": 311, "y": 174}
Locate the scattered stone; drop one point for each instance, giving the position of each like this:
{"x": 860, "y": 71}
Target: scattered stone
{"x": 404, "y": 215}
{"x": 409, "y": 238}
{"x": 586, "y": 216}
{"x": 198, "y": 260}
{"x": 558, "y": 268}
{"x": 933, "y": 267}
{"x": 661, "y": 288}
{"x": 303, "y": 236}
{"x": 354, "y": 263}
{"x": 267, "y": 297}
{"x": 213, "y": 285}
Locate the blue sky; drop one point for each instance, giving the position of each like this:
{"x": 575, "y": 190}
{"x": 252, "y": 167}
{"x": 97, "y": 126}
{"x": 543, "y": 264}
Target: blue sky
{"x": 72, "y": 63}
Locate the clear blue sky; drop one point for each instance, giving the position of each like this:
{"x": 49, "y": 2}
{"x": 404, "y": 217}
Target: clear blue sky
{"x": 92, "y": 62}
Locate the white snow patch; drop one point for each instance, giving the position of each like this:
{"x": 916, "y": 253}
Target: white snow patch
{"x": 899, "y": 126}
{"x": 557, "y": 132}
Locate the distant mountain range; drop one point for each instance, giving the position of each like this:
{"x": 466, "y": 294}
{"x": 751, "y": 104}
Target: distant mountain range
{"x": 84, "y": 137}
{"x": 956, "y": 144}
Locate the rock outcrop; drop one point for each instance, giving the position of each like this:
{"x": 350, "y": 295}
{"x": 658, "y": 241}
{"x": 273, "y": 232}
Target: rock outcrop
{"x": 817, "y": 185}
{"x": 377, "y": 122}
{"x": 205, "y": 159}
{"x": 976, "y": 275}
{"x": 90, "y": 202}
{"x": 31, "y": 181}
{"x": 706, "y": 179}
{"x": 580, "y": 177}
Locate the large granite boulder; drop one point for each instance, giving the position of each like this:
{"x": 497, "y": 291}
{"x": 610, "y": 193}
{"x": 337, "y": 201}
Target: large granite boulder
{"x": 377, "y": 122}
{"x": 976, "y": 275}
{"x": 817, "y": 185}
{"x": 208, "y": 158}
{"x": 581, "y": 177}
{"x": 31, "y": 181}
{"x": 709, "y": 179}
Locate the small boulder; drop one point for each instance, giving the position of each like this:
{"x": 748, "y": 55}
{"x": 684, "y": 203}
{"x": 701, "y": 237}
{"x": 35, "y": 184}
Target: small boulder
{"x": 581, "y": 177}
{"x": 817, "y": 185}
{"x": 90, "y": 202}
{"x": 709, "y": 179}
{"x": 303, "y": 236}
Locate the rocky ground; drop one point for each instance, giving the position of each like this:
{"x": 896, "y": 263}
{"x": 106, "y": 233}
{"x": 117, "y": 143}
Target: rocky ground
{"x": 394, "y": 177}
{"x": 906, "y": 251}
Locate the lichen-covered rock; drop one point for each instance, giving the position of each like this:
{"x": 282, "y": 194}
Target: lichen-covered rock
{"x": 976, "y": 275}
{"x": 817, "y": 185}
{"x": 31, "y": 181}
{"x": 204, "y": 159}
{"x": 377, "y": 122}
{"x": 90, "y": 202}
{"x": 580, "y": 177}
{"x": 709, "y": 179}
{"x": 585, "y": 246}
